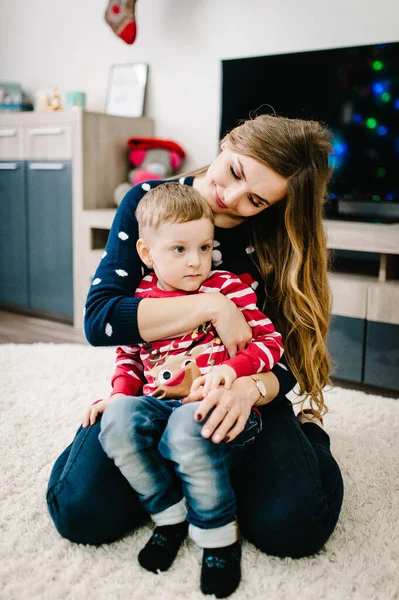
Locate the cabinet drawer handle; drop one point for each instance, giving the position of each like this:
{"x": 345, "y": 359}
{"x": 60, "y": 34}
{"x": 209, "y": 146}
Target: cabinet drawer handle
{"x": 8, "y": 132}
{"x": 46, "y": 131}
{"x": 8, "y": 166}
{"x": 46, "y": 166}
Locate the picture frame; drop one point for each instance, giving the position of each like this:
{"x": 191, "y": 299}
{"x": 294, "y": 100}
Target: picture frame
{"x": 127, "y": 84}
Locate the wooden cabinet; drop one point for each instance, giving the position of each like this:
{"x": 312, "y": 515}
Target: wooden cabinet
{"x": 363, "y": 337}
{"x": 55, "y": 170}
{"x": 36, "y": 236}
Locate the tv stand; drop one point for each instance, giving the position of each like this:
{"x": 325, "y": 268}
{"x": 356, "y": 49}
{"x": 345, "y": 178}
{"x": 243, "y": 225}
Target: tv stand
{"x": 363, "y": 338}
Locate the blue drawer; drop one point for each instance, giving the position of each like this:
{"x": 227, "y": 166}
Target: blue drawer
{"x": 382, "y": 355}
{"x": 345, "y": 343}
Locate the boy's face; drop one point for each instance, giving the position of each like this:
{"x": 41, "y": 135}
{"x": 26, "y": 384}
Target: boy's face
{"x": 180, "y": 254}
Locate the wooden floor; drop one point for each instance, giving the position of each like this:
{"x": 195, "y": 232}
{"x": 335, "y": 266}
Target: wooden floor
{"x": 22, "y": 329}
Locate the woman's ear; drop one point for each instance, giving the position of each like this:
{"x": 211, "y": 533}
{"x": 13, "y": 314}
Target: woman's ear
{"x": 144, "y": 252}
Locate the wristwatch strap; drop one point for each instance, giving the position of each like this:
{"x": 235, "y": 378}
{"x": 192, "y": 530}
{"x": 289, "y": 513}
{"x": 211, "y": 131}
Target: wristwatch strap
{"x": 258, "y": 387}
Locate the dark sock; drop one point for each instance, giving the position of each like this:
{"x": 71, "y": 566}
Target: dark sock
{"x": 221, "y": 570}
{"x": 161, "y": 549}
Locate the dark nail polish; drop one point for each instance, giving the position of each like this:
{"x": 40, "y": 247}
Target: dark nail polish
{"x": 226, "y": 439}
{"x": 199, "y": 417}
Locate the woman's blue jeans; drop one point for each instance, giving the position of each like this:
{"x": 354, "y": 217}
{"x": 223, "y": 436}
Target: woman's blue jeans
{"x": 158, "y": 447}
{"x": 289, "y": 488}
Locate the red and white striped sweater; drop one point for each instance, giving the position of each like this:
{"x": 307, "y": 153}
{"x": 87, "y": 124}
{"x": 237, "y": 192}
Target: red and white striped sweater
{"x": 143, "y": 367}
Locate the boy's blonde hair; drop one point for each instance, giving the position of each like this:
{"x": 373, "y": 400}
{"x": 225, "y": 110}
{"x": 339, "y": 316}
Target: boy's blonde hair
{"x": 171, "y": 203}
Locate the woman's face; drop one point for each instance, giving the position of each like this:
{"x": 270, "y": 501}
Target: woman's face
{"x": 236, "y": 187}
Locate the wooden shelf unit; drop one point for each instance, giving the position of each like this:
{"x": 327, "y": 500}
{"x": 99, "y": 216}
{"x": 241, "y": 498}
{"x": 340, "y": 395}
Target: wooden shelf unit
{"x": 364, "y": 329}
{"x": 91, "y": 149}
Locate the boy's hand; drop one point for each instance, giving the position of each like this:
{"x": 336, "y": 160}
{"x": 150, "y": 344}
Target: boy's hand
{"x": 91, "y": 414}
{"x": 213, "y": 379}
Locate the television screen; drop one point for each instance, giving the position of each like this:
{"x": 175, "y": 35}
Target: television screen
{"x": 355, "y": 92}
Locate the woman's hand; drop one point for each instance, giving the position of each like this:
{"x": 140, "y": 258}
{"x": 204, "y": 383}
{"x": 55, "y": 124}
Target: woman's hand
{"x": 231, "y": 409}
{"x": 230, "y": 324}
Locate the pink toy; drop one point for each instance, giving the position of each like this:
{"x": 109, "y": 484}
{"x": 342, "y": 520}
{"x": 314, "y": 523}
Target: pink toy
{"x": 151, "y": 158}
{"x": 154, "y": 158}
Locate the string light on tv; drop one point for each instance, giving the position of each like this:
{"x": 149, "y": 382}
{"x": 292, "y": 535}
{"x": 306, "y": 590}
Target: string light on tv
{"x": 382, "y": 130}
{"x": 376, "y": 198}
{"x": 340, "y": 148}
{"x": 381, "y": 172}
{"x": 396, "y": 104}
{"x": 378, "y": 65}
{"x": 378, "y": 87}
{"x": 357, "y": 118}
{"x": 371, "y": 123}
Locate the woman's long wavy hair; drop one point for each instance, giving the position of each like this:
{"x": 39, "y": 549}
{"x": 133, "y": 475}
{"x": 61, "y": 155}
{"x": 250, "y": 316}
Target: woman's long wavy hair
{"x": 290, "y": 243}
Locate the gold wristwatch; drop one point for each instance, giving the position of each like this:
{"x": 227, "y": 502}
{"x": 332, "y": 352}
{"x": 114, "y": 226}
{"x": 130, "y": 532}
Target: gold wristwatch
{"x": 261, "y": 389}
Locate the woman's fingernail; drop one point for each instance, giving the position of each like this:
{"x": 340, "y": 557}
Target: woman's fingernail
{"x": 216, "y": 438}
{"x": 226, "y": 439}
{"x": 199, "y": 417}
{"x": 206, "y": 433}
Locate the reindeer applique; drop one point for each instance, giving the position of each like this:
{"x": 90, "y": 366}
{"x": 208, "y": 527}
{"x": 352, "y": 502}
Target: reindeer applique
{"x": 176, "y": 374}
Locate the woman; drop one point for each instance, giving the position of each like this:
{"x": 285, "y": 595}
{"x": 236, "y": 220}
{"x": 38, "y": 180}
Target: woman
{"x": 266, "y": 189}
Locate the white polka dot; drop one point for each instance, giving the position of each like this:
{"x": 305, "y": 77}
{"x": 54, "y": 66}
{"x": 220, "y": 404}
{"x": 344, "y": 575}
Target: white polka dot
{"x": 121, "y": 272}
{"x": 146, "y": 187}
{"x": 216, "y": 244}
{"x": 142, "y": 271}
{"x": 282, "y": 366}
{"x": 254, "y": 285}
{"x": 84, "y": 311}
{"x": 250, "y": 250}
{"x": 217, "y": 257}
{"x": 104, "y": 255}
{"x": 123, "y": 236}
{"x": 96, "y": 281}
{"x": 182, "y": 180}
{"x": 108, "y": 329}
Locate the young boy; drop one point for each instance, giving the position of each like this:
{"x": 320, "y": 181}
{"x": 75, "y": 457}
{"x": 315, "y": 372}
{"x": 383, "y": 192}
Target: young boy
{"x": 154, "y": 439}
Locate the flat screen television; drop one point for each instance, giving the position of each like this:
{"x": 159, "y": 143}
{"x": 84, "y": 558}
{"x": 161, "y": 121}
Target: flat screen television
{"x": 355, "y": 92}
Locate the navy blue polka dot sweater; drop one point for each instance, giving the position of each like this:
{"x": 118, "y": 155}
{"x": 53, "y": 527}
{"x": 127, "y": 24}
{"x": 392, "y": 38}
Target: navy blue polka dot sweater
{"x": 111, "y": 309}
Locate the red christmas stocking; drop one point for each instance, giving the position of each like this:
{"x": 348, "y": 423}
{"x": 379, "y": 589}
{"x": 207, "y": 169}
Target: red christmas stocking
{"x": 120, "y": 16}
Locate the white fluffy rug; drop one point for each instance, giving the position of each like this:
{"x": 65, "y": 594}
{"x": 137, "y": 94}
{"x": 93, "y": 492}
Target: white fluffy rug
{"x": 46, "y": 387}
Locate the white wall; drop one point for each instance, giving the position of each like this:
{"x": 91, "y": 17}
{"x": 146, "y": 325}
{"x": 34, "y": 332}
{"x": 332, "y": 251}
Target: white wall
{"x": 67, "y": 42}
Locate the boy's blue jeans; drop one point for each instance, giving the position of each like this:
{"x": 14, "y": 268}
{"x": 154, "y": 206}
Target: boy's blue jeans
{"x": 158, "y": 447}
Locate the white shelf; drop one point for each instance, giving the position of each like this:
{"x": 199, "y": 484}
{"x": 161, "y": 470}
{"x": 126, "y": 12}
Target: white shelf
{"x": 363, "y": 237}
{"x": 360, "y": 296}
{"x": 349, "y": 294}
{"x": 98, "y": 219}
